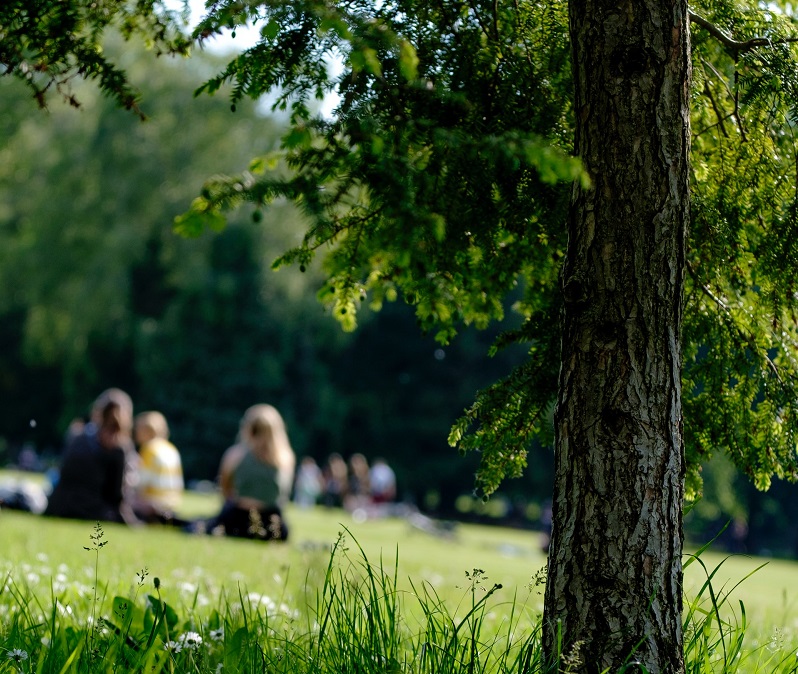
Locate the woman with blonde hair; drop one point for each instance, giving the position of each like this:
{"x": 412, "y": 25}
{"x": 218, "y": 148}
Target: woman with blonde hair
{"x": 160, "y": 477}
{"x": 255, "y": 477}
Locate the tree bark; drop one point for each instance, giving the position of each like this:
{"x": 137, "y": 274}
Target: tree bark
{"x": 614, "y": 591}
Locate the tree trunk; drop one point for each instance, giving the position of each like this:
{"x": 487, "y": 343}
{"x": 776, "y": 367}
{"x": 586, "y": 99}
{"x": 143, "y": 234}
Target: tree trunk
{"x": 614, "y": 586}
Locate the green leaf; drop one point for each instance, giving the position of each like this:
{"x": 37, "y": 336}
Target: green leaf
{"x": 162, "y": 608}
{"x": 438, "y": 227}
{"x": 335, "y": 25}
{"x": 192, "y": 223}
{"x": 270, "y": 30}
{"x": 269, "y": 162}
{"x": 366, "y": 59}
{"x": 408, "y": 61}
{"x": 298, "y": 136}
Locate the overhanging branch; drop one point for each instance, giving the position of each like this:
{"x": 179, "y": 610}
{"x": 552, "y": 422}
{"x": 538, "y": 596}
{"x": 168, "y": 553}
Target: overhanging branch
{"x": 736, "y": 47}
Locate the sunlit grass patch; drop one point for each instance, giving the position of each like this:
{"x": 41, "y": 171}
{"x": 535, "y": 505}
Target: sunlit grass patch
{"x": 74, "y": 598}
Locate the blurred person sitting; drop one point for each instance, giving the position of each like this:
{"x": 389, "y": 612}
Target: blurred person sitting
{"x": 359, "y": 494}
{"x": 255, "y": 476}
{"x": 159, "y": 488}
{"x": 383, "y": 482}
{"x": 99, "y": 465}
{"x": 308, "y": 485}
{"x": 336, "y": 481}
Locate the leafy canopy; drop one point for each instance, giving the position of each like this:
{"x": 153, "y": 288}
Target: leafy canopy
{"x": 49, "y": 43}
{"x": 438, "y": 178}
{"x": 442, "y": 176}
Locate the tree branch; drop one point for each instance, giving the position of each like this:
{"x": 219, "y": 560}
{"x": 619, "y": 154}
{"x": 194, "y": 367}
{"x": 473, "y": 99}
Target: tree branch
{"x": 745, "y": 339}
{"x": 735, "y": 47}
{"x": 715, "y": 107}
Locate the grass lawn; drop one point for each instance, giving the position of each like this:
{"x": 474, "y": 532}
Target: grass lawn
{"x": 201, "y": 575}
{"x": 507, "y": 556}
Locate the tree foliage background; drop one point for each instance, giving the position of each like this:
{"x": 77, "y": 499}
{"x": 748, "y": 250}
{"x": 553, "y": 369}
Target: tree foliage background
{"x": 443, "y": 175}
{"x": 431, "y": 183}
{"x": 98, "y": 290}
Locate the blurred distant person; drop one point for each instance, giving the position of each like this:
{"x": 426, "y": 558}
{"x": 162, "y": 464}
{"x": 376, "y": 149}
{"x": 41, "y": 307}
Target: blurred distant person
{"x": 159, "y": 488}
{"x": 359, "y": 494}
{"x": 75, "y": 428}
{"x": 28, "y": 459}
{"x": 256, "y": 476}
{"x": 383, "y": 482}
{"x": 99, "y": 465}
{"x": 336, "y": 481}
{"x": 308, "y": 484}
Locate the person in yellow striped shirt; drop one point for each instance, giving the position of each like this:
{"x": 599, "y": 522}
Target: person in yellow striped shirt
{"x": 160, "y": 475}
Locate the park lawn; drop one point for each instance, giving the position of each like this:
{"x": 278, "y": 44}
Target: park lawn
{"x": 510, "y": 557}
{"x": 48, "y": 557}
{"x": 507, "y": 556}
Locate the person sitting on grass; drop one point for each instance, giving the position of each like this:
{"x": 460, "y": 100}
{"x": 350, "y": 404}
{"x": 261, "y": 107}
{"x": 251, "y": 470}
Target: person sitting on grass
{"x": 255, "y": 476}
{"x": 160, "y": 477}
{"x": 99, "y": 466}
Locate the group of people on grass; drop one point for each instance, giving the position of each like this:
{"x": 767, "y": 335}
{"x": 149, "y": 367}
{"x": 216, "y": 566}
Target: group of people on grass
{"x": 103, "y": 477}
{"x": 352, "y": 485}
{"x": 122, "y": 468}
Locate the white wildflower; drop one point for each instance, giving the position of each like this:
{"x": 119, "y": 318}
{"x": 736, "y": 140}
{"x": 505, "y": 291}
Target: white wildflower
{"x": 17, "y": 655}
{"x": 190, "y": 640}
{"x": 187, "y": 588}
{"x": 256, "y": 599}
{"x": 218, "y": 635}
{"x": 173, "y": 646}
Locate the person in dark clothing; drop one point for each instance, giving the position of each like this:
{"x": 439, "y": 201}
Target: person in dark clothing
{"x": 98, "y": 466}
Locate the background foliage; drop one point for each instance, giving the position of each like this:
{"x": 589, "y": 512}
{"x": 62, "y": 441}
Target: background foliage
{"x": 97, "y": 290}
{"x": 420, "y": 181}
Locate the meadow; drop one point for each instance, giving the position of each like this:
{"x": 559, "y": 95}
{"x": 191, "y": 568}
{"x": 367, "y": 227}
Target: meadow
{"x": 383, "y": 595}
